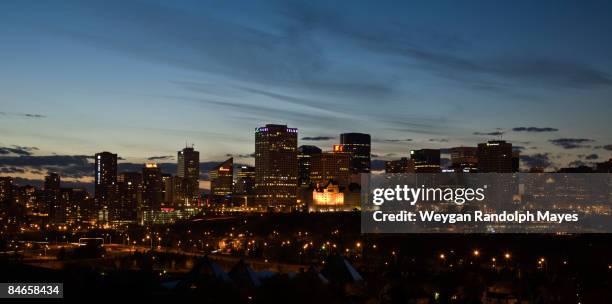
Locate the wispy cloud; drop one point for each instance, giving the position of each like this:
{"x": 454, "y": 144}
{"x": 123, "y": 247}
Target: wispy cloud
{"x": 534, "y": 129}
{"x": 571, "y": 143}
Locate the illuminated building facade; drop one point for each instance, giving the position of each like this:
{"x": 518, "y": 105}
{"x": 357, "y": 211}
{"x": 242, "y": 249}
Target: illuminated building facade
{"x": 327, "y": 197}
{"x": 53, "y": 201}
{"x": 188, "y": 170}
{"x": 152, "y": 187}
{"x": 6, "y": 189}
{"x": 402, "y": 165}
{"x": 130, "y": 190}
{"x": 358, "y": 146}
{"x": 106, "y": 192}
{"x": 464, "y": 159}
{"x": 426, "y": 160}
{"x": 276, "y": 169}
{"x": 304, "y": 154}
{"x": 327, "y": 166}
{"x": 495, "y": 156}
{"x": 222, "y": 180}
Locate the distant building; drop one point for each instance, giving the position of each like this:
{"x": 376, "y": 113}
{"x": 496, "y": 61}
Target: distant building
{"x": 6, "y": 189}
{"x": 358, "y": 146}
{"x": 168, "y": 191}
{"x": 74, "y": 202}
{"x": 130, "y": 191}
{"x": 579, "y": 169}
{"x": 327, "y": 166}
{"x": 426, "y": 160}
{"x": 276, "y": 169}
{"x": 402, "y": 165}
{"x": 152, "y": 187}
{"x": 106, "y": 192}
{"x": 495, "y": 156}
{"x": 464, "y": 159}
{"x": 304, "y": 155}
{"x": 53, "y": 201}
{"x": 222, "y": 181}
{"x": 604, "y": 167}
{"x": 188, "y": 170}
{"x": 244, "y": 190}
{"x": 516, "y": 161}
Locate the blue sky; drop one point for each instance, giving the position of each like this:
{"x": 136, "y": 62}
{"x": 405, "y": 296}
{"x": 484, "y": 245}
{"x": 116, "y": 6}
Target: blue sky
{"x": 142, "y": 78}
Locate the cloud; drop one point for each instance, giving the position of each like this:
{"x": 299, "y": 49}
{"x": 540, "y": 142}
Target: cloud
{"x": 518, "y": 148}
{"x": 539, "y": 160}
{"x": 607, "y": 147}
{"x": 397, "y": 140}
{"x": 591, "y": 156}
{"x": 17, "y": 150}
{"x": 26, "y": 115}
{"x": 571, "y": 143}
{"x": 162, "y": 157}
{"x": 577, "y": 163}
{"x": 29, "y": 115}
{"x": 534, "y": 129}
{"x": 317, "y": 138}
{"x": 74, "y": 166}
{"x": 494, "y": 133}
{"x": 441, "y": 140}
{"x": 250, "y": 155}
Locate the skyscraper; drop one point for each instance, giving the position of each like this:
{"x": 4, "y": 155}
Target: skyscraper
{"x": 304, "y": 155}
{"x": 222, "y": 180}
{"x": 53, "y": 200}
{"x": 106, "y": 192}
{"x": 188, "y": 170}
{"x": 464, "y": 159}
{"x": 328, "y": 166}
{"x": 495, "y": 156}
{"x": 426, "y": 160}
{"x": 358, "y": 147}
{"x": 130, "y": 190}
{"x": 276, "y": 169}
{"x": 152, "y": 187}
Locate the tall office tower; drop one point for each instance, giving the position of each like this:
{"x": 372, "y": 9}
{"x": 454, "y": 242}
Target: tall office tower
{"x": 53, "y": 201}
{"x": 152, "y": 187}
{"x": 358, "y": 147}
{"x": 245, "y": 181}
{"x": 276, "y": 170}
{"x": 304, "y": 154}
{"x": 188, "y": 170}
{"x": 222, "y": 180}
{"x": 168, "y": 181}
{"x": 6, "y": 189}
{"x": 402, "y": 165}
{"x": 328, "y": 166}
{"x": 516, "y": 161}
{"x": 464, "y": 159}
{"x": 495, "y": 156}
{"x": 106, "y": 192}
{"x": 426, "y": 160}
{"x": 130, "y": 190}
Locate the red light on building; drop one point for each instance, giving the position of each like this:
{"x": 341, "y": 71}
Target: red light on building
{"x": 338, "y": 148}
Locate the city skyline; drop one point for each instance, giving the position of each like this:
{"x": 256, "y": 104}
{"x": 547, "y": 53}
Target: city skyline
{"x": 411, "y": 81}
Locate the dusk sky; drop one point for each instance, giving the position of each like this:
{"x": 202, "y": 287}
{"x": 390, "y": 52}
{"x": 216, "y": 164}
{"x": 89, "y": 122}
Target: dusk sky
{"x": 142, "y": 78}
